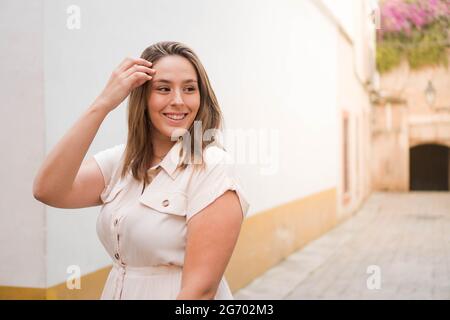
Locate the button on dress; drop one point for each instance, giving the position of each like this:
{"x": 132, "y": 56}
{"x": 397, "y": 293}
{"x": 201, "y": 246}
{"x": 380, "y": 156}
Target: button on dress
{"x": 144, "y": 230}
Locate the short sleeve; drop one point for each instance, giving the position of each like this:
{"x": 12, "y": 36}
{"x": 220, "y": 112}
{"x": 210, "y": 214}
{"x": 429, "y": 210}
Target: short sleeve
{"x": 218, "y": 176}
{"x": 108, "y": 161}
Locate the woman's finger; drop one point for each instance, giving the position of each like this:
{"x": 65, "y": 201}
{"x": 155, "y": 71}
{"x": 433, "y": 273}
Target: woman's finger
{"x": 138, "y": 68}
{"x": 137, "y": 79}
{"x": 129, "y": 62}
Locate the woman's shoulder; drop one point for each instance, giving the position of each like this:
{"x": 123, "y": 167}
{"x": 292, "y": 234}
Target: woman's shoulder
{"x": 111, "y": 153}
{"x": 216, "y": 161}
{"x": 217, "y": 176}
{"x": 108, "y": 160}
{"x": 216, "y": 155}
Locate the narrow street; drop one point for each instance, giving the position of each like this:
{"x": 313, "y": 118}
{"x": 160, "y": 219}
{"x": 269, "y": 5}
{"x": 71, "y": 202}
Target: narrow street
{"x": 405, "y": 237}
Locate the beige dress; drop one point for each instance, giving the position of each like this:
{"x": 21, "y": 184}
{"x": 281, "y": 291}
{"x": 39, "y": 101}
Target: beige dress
{"x": 144, "y": 232}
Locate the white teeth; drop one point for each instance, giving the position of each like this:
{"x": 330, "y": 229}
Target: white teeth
{"x": 175, "y": 117}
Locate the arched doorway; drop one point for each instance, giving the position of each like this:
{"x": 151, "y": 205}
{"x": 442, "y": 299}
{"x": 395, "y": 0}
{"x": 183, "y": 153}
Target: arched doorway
{"x": 429, "y": 167}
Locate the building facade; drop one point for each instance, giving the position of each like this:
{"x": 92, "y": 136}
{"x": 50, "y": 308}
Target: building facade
{"x": 411, "y": 136}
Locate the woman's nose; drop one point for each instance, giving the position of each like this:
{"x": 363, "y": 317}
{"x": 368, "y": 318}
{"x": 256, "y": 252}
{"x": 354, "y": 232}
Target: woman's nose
{"x": 177, "y": 99}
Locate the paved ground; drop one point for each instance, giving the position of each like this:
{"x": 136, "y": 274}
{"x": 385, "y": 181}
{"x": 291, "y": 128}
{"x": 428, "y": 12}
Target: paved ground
{"x": 396, "y": 247}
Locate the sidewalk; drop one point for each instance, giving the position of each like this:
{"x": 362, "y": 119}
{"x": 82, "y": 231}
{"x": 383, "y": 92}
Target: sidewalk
{"x": 405, "y": 235}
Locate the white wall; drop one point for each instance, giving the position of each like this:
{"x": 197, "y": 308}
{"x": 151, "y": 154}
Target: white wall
{"x": 22, "y": 219}
{"x": 345, "y": 12}
{"x": 355, "y": 19}
{"x": 353, "y": 71}
{"x": 272, "y": 64}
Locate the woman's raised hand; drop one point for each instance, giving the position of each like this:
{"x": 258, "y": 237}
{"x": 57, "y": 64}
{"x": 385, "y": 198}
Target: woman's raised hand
{"x": 130, "y": 74}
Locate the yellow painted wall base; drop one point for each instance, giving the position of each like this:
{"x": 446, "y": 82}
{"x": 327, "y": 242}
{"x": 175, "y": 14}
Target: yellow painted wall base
{"x": 266, "y": 239}
{"x": 22, "y": 293}
{"x": 270, "y": 236}
{"x": 91, "y": 289}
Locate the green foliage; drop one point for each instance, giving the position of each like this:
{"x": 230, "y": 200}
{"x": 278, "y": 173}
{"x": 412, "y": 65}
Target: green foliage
{"x": 421, "y": 48}
{"x": 430, "y": 48}
{"x": 389, "y": 56}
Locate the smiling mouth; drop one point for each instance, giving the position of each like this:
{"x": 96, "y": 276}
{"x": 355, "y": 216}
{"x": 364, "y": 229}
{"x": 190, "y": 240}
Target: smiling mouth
{"x": 175, "y": 116}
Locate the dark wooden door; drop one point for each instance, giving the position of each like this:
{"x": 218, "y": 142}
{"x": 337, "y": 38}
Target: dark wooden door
{"x": 428, "y": 167}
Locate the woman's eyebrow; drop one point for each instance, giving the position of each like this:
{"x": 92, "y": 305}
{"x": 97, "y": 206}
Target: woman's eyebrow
{"x": 168, "y": 81}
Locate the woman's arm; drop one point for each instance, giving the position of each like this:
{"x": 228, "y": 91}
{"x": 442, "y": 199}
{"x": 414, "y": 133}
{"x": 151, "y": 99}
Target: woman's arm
{"x": 211, "y": 237}
{"x": 56, "y": 176}
{"x": 60, "y": 181}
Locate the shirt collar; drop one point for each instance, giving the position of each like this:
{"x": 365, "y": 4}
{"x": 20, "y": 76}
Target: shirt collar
{"x": 172, "y": 160}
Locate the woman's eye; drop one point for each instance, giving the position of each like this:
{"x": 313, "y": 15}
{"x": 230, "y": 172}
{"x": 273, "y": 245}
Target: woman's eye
{"x": 165, "y": 89}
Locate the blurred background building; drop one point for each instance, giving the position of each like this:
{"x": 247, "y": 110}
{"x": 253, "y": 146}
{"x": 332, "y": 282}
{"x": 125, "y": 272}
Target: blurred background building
{"x": 297, "y": 80}
{"x": 411, "y": 112}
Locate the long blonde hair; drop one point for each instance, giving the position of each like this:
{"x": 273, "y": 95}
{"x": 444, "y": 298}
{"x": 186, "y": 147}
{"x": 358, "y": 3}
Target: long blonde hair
{"x": 139, "y": 149}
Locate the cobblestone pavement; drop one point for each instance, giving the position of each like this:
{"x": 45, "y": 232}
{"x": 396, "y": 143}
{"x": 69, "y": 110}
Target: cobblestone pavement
{"x": 396, "y": 247}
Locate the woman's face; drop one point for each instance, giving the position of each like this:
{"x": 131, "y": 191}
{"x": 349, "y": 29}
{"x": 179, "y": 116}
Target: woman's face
{"x": 174, "y": 97}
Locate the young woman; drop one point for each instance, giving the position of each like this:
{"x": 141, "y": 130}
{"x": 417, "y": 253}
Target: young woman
{"x": 168, "y": 221}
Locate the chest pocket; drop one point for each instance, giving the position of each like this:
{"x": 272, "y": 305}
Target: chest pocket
{"x": 166, "y": 202}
